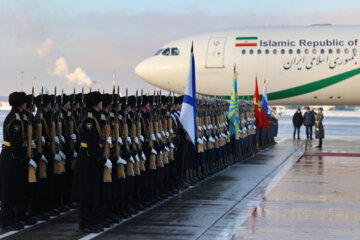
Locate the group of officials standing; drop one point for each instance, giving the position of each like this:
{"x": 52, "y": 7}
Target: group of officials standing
{"x": 309, "y": 119}
{"x": 111, "y": 156}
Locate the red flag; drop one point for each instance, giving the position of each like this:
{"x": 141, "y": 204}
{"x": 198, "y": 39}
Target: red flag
{"x": 261, "y": 119}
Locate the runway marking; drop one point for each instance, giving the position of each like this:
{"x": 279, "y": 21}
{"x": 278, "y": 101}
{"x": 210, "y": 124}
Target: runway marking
{"x": 332, "y": 154}
{"x": 7, "y": 234}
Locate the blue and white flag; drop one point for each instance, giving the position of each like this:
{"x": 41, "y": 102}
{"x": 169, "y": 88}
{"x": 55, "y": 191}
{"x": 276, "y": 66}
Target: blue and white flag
{"x": 188, "y": 110}
{"x": 264, "y": 101}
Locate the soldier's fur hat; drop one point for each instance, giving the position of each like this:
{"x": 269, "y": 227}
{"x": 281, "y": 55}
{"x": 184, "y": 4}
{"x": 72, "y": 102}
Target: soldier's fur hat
{"x": 16, "y": 99}
{"x": 92, "y": 99}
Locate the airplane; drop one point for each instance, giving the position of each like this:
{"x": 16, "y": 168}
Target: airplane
{"x": 315, "y": 64}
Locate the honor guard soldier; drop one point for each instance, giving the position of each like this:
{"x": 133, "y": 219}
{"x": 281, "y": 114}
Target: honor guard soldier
{"x": 89, "y": 169}
{"x": 14, "y": 163}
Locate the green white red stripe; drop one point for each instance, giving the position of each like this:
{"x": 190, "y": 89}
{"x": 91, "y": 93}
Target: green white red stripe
{"x": 246, "y": 41}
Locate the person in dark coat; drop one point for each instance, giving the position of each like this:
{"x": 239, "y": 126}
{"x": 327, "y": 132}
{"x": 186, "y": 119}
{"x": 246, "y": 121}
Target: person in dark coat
{"x": 297, "y": 122}
{"x": 319, "y": 127}
{"x": 89, "y": 168}
{"x": 309, "y": 122}
{"x": 13, "y": 164}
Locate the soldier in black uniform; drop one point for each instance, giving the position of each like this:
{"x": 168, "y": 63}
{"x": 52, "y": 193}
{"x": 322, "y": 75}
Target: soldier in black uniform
{"x": 13, "y": 163}
{"x": 89, "y": 169}
{"x": 319, "y": 127}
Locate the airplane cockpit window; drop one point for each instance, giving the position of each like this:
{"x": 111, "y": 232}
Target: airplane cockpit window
{"x": 346, "y": 51}
{"x": 354, "y": 51}
{"x": 175, "y": 52}
{"x": 166, "y": 52}
{"x": 158, "y": 52}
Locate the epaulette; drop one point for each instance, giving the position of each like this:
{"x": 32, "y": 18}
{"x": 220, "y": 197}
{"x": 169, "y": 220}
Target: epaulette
{"x": 69, "y": 114}
{"x": 17, "y": 116}
{"x": 102, "y": 117}
{"x": 112, "y": 114}
{"x": 24, "y": 117}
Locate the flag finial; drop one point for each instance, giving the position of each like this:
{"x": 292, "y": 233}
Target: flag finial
{"x": 192, "y": 46}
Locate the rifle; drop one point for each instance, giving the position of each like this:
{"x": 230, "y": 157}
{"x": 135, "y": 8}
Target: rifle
{"x": 42, "y": 164}
{"x": 133, "y": 137}
{"x": 159, "y": 156}
{"x": 71, "y": 131}
{"x": 53, "y": 134}
{"x": 107, "y": 173}
{"x": 31, "y": 169}
{"x": 81, "y": 106}
{"x": 59, "y": 132}
{"x": 129, "y": 165}
{"x": 120, "y": 166}
{"x": 152, "y": 163}
{"x": 138, "y": 128}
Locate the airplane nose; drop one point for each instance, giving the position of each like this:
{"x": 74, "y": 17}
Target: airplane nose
{"x": 142, "y": 69}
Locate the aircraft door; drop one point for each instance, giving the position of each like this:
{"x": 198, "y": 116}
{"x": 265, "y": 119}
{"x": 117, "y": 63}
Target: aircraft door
{"x": 215, "y": 52}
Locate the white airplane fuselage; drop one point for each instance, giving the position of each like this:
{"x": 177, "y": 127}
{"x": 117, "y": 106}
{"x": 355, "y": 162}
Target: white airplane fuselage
{"x": 301, "y": 65}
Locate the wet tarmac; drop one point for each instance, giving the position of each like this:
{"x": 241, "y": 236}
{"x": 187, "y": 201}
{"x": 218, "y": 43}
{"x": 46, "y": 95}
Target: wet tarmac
{"x": 273, "y": 196}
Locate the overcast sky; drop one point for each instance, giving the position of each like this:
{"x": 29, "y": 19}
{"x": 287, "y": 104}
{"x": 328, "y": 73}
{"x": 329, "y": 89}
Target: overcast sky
{"x": 75, "y": 43}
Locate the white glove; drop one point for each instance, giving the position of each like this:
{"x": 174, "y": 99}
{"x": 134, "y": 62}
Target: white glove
{"x": 158, "y": 135}
{"x": 62, "y": 139}
{"x": 143, "y": 156}
{"x": 121, "y": 161}
{"x": 73, "y": 137}
{"x": 171, "y": 131}
{"x": 153, "y": 137}
{"x": 200, "y": 141}
{"x": 108, "y": 140}
{"x": 200, "y": 128}
{"x": 132, "y": 159}
{"x": 204, "y": 138}
{"x": 167, "y": 149}
{"x": 137, "y": 158}
{"x": 172, "y": 145}
{"x": 163, "y": 133}
{"x": 75, "y": 154}
{"x": 44, "y": 158}
{"x": 120, "y": 140}
{"x": 136, "y": 140}
{"x": 204, "y": 127}
{"x": 56, "y": 139}
{"x": 142, "y": 138}
{"x": 153, "y": 151}
{"x": 33, "y": 145}
{"x": 57, "y": 157}
{"x": 42, "y": 140}
{"x": 108, "y": 164}
{"x": 129, "y": 140}
{"x": 33, "y": 163}
{"x": 167, "y": 134}
{"x": 62, "y": 155}
{"x": 216, "y": 137}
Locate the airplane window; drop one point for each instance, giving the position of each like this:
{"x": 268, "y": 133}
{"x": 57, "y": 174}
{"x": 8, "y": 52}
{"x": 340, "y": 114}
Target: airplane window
{"x": 306, "y": 51}
{"x": 314, "y": 51}
{"x": 338, "y": 51}
{"x": 251, "y": 51}
{"x": 243, "y": 51}
{"x": 322, "y": 51}
{"x": 274, "y": 51}
{"x": 174, "y": 52}
{"x": 330, "y": 51}
{"x": 354, "y": 50}
{"x": 282, "y": 51}
{"x": 158, "y": 52}
{"x": 346, "y": 51}
{"x": 259, "y": 51}
{"x": 267, "y": 51}
{"x": 298, "y": 51}
{"x": 290, "y": 51}
{"x": 166, "y": 52}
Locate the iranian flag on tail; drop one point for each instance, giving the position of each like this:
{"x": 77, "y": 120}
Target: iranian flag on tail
{"x": 246, "y": 41}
